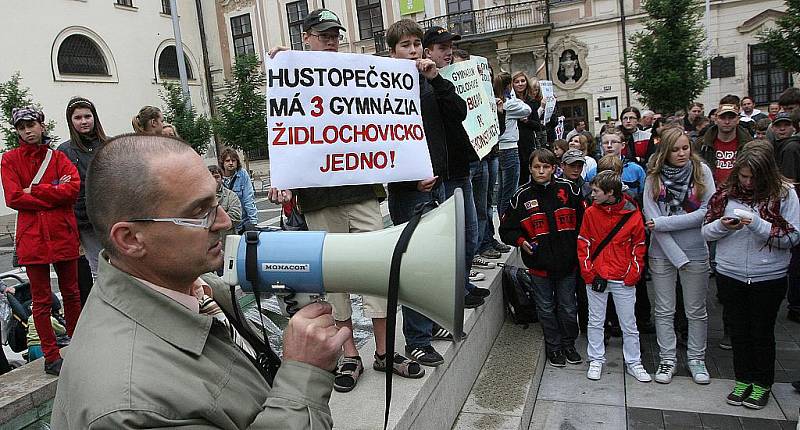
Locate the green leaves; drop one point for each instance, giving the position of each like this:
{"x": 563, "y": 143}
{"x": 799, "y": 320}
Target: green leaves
{"x": 241, "y": 114}
{"x": 667, "y": 68}
{"x": 12, "y": 95}
{"x": 193, "y": 128}
{"x": 783, "y": 41}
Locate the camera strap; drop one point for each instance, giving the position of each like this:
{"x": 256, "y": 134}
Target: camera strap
{"x": 611, "y": 235}
{"x": 269, "y": 359}
{"x": 400, "y": 249}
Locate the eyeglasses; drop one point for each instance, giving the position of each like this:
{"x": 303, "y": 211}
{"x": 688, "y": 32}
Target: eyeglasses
{"x": 205, "y": 222}
{"x": 327, "y": 38}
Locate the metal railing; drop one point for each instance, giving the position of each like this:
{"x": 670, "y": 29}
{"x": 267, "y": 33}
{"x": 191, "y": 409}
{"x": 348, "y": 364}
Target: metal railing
{"x": 481, "y": 21}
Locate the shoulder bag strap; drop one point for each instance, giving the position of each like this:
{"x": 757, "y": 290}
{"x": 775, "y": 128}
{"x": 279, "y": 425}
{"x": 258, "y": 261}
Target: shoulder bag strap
{"x": 43, "y": 167}
{"x": 233, "y": 181}
{"x": 611, "y": 235}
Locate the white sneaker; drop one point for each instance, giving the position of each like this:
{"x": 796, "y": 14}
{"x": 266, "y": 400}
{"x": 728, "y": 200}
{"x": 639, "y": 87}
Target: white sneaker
{"x": 476, "y": 276}
{"x": 481, "y": 263}
{"x": 699, "y": 372}
{"x": 665, "y": 372}
{"x": 638, "y": 372}
{"x": 595, "y": 370}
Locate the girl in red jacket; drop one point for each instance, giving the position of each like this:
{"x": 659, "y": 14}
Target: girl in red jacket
{"x": 46, "y": 231}
{"x": 615, "y": 269}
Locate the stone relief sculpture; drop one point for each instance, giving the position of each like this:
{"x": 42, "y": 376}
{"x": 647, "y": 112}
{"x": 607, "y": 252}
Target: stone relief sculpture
{"x": 568, "y": 63}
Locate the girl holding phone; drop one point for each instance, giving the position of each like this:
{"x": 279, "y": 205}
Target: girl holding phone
{"x": 753, "y": 217}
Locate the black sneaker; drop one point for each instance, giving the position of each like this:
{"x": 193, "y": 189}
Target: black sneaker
{"x": 557, "y": 359}
{"x": 54, "y": 367}
{"x": 572, "y": 356}
{"x": 502, "y": 247}
{"x": 758, "y": 398}
{"x": 740, "y": 392}
{"x": 480, "y": 292}
{"x": 472, "y": 301}
{"x": 425, "y": 355}
{"x": 441, "y": 334}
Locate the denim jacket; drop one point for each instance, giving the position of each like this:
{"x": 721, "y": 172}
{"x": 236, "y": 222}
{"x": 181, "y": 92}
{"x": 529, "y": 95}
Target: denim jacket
{"x": 244, "y": 189}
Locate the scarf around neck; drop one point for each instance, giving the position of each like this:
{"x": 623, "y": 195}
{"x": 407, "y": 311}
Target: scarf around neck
{"x": 676, "y": 182}
{"x": 768, "y": 210}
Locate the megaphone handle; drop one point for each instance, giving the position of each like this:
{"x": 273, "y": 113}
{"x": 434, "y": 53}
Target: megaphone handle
{"x": 293, "y": 302}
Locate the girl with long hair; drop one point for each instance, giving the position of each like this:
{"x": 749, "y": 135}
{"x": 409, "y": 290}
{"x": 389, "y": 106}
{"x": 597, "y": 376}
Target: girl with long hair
{"x": 86, "y": 137}
{"x": 753, "y": 217}
{"x": 530, "y": 127}
{"x": 676, "y": 194}
{"x": 636, "y": 141}
{"x": 515, "y": 109}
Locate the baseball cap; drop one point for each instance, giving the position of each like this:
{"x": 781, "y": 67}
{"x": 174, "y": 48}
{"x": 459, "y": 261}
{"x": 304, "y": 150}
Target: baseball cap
{"x": 782, "y": 116}
{"x": 573, "y": 155}
{"x": 727, "y": 108}
{"x": 321, "y": 20}
{"x": 436, "y": 35}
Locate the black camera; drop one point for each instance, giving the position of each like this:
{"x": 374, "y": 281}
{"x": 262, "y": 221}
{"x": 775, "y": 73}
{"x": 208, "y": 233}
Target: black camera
{"x": 599, "y": 284}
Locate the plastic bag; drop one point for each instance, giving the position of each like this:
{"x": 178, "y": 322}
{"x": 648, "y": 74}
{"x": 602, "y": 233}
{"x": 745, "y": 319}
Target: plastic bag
{"x": 5, "y": 319}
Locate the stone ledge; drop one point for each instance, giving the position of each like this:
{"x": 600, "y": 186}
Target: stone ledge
{"x": 27, "y": 395}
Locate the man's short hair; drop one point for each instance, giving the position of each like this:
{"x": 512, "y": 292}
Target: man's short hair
{"x": 610, "y": 162}
{"x": 791, "y": 96}
{"x": 401, "y": 29}
{"x": 544, "y": 155}
{"x": 120, "y": 184}
{"x": 748, "y": 98}
{"x": 609, "y": 182}
{"x": 460, "y": 53}
{"x": 763, "y": 124}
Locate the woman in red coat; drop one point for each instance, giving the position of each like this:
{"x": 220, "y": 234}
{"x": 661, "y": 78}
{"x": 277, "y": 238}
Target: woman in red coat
{"x": 47, "y": 231}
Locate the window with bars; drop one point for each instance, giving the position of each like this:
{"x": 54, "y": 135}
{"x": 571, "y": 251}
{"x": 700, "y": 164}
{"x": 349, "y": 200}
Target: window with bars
{"x": 242, "y": 33}
{"x": 295, "y": 12}
{"x": 128, "y": 3}
{"x": 168, "y": 64}
{"x": 166, "y": 8}
{"x": 767, "y": 79}
{"x": 370, "y": 17}
{"x": 79, "y": 55}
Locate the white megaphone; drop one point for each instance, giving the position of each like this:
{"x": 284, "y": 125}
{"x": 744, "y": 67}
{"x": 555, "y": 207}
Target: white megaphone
{"x": 300, "y": 267}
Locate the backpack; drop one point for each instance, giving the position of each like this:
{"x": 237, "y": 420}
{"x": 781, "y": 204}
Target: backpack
{"x": 518, "y": 298}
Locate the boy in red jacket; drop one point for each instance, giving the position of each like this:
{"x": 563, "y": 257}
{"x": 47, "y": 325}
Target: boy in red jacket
{"x": 613, "y": 219}
{"x": 46, "y": 231}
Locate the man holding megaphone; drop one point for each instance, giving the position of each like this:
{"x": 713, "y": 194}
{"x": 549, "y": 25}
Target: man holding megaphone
{"x": 164, "y": 344}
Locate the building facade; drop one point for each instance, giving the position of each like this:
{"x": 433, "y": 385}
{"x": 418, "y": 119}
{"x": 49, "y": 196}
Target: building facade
{"x": 578, "y": 44}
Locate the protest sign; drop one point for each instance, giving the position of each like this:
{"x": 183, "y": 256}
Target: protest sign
{"x": 481, "y": 122}
{"x": 343, "y": 119}
{"x": 549, "y": 98}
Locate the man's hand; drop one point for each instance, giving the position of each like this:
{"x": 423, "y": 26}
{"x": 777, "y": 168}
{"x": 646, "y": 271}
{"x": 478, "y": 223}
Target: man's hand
{"x": 312, "y": 337}
{"x": 279, "y": 196}
{"x": 275, "y": 49}
{"x": 426, "y": 185}
{"x": 527, "y": 247}
{"x": 26, "y": 190}
{"x": 651, "y": 225}
{"x": 427, "y": 68}
{"x": 64, "y": 179}
{"x": 500, "y": 104}
{"x": 10, "y": 290}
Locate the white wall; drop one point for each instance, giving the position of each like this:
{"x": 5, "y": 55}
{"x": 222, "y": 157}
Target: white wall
{"x": 133, "y": 37}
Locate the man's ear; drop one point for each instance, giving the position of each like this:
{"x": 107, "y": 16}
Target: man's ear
{"x": 127, "y": 239}
{"x": 426, "y": 53}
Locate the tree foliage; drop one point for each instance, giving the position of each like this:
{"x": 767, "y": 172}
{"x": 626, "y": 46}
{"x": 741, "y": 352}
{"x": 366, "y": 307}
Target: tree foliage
{"x": 667, "y": 68}
{"x": 13, "y": 94}
{"x": 193, "y": 128}
{"x": 783, "y": 41}
{"x": 241, "y": 114}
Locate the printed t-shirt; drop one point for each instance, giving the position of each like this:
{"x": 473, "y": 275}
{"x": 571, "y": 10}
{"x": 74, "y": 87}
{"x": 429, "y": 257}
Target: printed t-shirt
{"x": 726, "y": 157}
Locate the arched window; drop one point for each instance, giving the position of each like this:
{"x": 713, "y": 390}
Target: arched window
{"x": 79, "y": 55}
{"x": 168, "y": 64}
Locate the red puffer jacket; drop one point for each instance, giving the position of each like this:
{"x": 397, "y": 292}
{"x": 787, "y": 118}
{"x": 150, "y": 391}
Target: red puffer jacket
{"x": 46, "y": 228}
{"x": 623, "y": 258}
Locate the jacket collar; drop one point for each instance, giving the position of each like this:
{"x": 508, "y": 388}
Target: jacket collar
{"x": 154, "y": 311}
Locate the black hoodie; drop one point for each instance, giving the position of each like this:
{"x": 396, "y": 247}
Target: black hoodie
{"x": 787, "y": 155}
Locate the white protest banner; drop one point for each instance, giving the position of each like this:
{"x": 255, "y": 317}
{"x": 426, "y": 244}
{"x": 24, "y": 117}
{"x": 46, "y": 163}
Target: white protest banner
{"x": 549, "y": 98}
{"x": 343, "y": 119}
{"x": 481, "y": 122}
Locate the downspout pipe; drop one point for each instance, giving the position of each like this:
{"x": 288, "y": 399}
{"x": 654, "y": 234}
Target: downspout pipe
{"x": 207, "y": 69}
{"x": 547, "y": 40}
{"x": 624, "y": 51}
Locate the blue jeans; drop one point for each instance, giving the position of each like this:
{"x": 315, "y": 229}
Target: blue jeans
{"x": 557, "y": 309}
{"x": 445, "y": 191}
{"x": 509, "y": 175}
{"x": 417, "y": 328}
{"x": 487, "y": 238}
{"x": 479, "y": 175}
